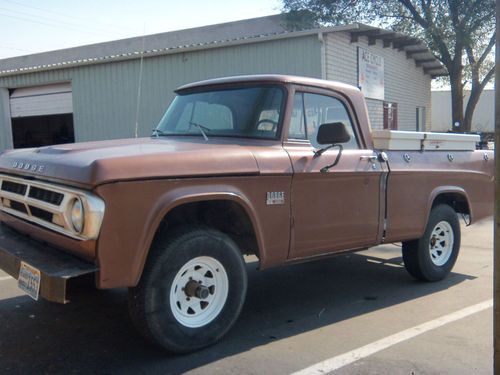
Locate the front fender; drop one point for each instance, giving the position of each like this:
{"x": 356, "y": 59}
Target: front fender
{"x": 183, "y": 195}
{"x": 135, "y": 209}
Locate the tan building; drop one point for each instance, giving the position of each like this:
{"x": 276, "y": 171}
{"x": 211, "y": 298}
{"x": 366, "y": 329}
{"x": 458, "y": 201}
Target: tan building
{"x": 482, "y": 121}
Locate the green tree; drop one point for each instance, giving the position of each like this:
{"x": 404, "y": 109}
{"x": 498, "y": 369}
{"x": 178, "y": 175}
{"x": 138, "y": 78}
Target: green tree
{"x": 461, "y": 34}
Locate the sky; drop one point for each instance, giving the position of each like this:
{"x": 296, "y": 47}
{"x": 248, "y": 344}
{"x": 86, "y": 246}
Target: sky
{"x": 30, "y": 26}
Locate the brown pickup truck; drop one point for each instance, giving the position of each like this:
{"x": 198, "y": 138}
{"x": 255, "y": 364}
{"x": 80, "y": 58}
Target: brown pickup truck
{"x": 284, "y": 168}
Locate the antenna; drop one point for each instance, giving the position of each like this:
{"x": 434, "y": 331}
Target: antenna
{"x": 139, "y": 87}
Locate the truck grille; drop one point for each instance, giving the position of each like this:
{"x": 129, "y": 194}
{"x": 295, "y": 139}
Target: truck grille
{"x": 36, "y": 202}
{"x": 18, "y": 207}
{"x": 14, "y": 187}
{"x": 37, "y": 193}
{"x": 41, "y": 214}
{"x": 45, "y": 195}
{"x": 49, "y": 206}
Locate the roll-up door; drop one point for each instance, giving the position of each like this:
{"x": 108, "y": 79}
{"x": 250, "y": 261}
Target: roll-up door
{"x": 42, "y": 115}
{"x": 41, "y": 100}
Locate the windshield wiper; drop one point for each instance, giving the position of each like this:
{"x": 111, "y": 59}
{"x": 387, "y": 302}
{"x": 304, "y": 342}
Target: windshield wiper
{"x": 202, "y": 129}
{"x": 158, "y": 132}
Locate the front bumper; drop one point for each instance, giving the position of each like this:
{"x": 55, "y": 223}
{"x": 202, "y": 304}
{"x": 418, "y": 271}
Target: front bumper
{"x": 56, "y": 267}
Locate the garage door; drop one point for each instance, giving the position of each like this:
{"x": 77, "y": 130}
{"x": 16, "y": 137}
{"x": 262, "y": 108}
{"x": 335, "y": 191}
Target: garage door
{"x": 41, "y": 100}
{"x": 42, "y": 115}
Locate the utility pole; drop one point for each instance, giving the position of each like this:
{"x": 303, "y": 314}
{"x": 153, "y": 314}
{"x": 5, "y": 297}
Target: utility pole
{"x": 496, "y": 262}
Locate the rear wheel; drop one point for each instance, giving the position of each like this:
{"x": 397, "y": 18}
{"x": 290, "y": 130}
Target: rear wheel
{"x": 431, "y": 257}
{"x": 191, "y": 292}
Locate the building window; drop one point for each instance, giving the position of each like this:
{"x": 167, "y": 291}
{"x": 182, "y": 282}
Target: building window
{"x": 420, "y": 127}
{"x": 390, "y": 115}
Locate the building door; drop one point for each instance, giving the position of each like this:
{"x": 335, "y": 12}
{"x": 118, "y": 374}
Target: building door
{"x": 42, "y": 115}
{"x": 333, "y": 210}
{"x": 390, "y": 116}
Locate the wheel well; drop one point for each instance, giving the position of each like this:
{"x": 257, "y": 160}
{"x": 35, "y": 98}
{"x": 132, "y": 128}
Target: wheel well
{"x": 455, "y": 200}
{"x": 224, "y": 215}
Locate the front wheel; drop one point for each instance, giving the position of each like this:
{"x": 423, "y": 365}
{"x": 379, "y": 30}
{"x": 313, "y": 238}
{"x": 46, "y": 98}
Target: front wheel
{"x": 431, "y": 257}
{"x": 192, "y": 290}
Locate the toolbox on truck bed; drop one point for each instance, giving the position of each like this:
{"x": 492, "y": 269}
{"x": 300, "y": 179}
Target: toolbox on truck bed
{"x": 412, "y": 141}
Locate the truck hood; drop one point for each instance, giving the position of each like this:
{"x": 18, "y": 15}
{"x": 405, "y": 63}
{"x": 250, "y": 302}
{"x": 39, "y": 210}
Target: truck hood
{"x": 94, "y": 163}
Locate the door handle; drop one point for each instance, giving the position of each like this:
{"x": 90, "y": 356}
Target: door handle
{"x": 371, "y": 158}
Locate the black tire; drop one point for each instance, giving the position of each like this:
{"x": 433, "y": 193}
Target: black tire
{"x": 421, "y": 259}
{"x": 149, "y": 302}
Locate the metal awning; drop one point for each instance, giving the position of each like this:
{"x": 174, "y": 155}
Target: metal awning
{"x": 415, "y": 49}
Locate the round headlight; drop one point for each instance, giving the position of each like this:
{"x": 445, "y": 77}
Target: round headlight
{"x": 77, "y": 216}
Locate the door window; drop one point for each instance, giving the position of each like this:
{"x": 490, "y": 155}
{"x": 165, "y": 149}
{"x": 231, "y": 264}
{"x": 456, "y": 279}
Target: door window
{"x": 297, "y": 122}
{"x": 312, "y": 110}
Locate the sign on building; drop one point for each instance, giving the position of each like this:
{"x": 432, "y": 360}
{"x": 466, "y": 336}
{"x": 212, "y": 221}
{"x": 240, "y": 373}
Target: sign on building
{"x": 370, "y": 74}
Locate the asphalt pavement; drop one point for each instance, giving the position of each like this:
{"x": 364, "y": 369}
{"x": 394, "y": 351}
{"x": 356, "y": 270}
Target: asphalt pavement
{"x": 361, "y": 306}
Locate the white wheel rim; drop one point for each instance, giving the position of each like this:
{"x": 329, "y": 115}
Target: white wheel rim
{"x": 191, "y": 311}
{"x": 441, "y": 243}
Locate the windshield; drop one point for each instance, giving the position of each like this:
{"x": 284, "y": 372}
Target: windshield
{"x": 240, "y": 112}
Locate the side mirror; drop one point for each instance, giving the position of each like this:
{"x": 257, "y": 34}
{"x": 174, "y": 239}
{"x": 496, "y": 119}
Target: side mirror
{"x": 331, "y": 133}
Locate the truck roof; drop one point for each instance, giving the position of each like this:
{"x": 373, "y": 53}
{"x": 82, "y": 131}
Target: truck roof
{"x": 273, "y": 78}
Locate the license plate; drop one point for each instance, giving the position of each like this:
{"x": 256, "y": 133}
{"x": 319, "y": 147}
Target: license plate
{"x": 29, "y": 280}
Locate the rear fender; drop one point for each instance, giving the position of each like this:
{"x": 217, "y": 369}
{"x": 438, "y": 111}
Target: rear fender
{"x": 447, "y": 190}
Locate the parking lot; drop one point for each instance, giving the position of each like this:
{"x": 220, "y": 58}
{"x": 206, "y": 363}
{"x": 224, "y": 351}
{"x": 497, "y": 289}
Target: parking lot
{"x": 310, "y": 317}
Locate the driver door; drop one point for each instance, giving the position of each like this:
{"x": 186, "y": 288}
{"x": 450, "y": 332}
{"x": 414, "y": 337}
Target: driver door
{"x": 338, "y": 209}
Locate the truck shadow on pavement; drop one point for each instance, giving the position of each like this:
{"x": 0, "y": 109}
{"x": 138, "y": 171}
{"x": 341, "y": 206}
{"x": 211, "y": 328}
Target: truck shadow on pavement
{"x": 93, "y": 334}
